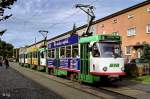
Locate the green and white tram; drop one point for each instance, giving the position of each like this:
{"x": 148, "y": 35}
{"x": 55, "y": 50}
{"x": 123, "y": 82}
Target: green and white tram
{"x": 101, "y": 57}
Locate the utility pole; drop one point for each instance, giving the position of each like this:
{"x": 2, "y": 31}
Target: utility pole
{"x": 89, "y": 11}
{"x": 44, "y": 34}
{"x": 73, "y": 29}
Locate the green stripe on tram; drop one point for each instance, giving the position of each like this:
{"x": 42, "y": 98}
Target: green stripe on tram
{"x": 89, "y": 39}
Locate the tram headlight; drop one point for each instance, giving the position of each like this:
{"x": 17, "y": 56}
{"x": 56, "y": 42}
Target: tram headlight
{"x": 104, "y": 68}
{"x": 122, "y": 68}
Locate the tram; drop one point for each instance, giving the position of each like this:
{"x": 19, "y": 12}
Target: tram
{"x": 23, "y": 56}
{"x": 87, "y": 59}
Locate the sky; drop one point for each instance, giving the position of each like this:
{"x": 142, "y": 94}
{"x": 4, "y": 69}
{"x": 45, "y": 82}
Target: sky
{"x": 54, "y": 16}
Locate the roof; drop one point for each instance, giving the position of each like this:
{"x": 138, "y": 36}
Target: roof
{"x": 123, "y": 11}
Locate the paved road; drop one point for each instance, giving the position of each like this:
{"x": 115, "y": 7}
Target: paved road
{"x": 15, "y": 86}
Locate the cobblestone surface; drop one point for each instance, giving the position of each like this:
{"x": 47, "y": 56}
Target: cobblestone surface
{"x": 15, "y": 86}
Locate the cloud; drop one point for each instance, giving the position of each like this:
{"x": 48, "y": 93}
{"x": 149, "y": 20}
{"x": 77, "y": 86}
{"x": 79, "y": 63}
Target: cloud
{"x": 56, "y": 16}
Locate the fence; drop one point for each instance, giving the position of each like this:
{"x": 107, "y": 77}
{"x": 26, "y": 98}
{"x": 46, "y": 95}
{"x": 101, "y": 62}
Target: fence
{"x": 140, "y": 69}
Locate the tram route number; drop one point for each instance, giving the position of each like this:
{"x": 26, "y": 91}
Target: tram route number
{"x": 114, "y": 65}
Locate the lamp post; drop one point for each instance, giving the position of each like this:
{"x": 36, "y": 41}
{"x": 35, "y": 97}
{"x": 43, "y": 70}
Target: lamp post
{"x": 44, "y": 34}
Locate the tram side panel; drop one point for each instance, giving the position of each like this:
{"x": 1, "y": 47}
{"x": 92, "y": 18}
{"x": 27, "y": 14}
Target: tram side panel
{"x": 63, "y": 56}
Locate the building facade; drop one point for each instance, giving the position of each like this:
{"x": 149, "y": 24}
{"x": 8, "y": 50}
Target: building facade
{"x": 133, "y": 24}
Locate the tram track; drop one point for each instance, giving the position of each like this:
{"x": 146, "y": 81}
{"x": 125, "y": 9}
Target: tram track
{"x": 119, "y": 95}
{"x": 101, "y": 90}
{"x": 97, "y": 89}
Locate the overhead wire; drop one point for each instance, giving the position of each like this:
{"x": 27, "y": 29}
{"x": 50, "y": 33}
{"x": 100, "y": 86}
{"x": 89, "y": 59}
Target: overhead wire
{"x": 70, "y": 16}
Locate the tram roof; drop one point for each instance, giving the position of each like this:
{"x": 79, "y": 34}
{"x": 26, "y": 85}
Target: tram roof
{"x": 100, "y": 38}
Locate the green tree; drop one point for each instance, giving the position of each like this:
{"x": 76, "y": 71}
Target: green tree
{"x": 146, "y": 53}
{"x": 5, "y": 4}
{"x": 6, "y": 49}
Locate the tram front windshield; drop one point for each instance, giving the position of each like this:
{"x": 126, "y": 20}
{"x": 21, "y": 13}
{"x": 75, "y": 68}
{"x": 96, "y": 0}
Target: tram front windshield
{"x": 110, "y": 49}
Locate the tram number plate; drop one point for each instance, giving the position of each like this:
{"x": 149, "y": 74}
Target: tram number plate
{"x": 113, "y": 76}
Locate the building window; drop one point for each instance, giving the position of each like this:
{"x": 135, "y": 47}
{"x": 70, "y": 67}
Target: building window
{"x": 114, "y": 21}
{"x": 115, "y": 33}
{"x": 130, "y": 15}
{"x": 128, "y": 50}
{"x": 102, "y": 25}
{"x": 148, "y": 28}
{"x": 148, "y": 9}
{"x": 131, "y": 31}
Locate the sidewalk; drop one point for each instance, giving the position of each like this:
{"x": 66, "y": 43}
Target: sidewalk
{"x": 15, "y": 86}
{"x": 136, "y": 85}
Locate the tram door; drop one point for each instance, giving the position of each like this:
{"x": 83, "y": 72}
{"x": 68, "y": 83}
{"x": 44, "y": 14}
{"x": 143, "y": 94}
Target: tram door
{"x": 24, "y": 58}
{"x": 85, "y": 56}
{"x": 31, "y": 58}
{"x": 39, "y": 57}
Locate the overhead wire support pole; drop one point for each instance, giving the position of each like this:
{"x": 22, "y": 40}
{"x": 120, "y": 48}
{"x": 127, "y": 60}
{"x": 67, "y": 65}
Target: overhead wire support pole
{"x": 89, "y": 11}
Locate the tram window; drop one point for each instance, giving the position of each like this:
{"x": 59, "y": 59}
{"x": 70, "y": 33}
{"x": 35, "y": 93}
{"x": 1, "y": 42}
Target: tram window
{"x": 62, "y": 52}
{"x": 32, "y": 55}
{"x": 110, "y": 50}
{"x": 75, "y": 52}
{"x": 25, "y": 55}
{"x": 28, "y": 55}
{"x": 53, "y": 53}
{"x": 49, "y": 53}
{"x": 68, "y": 51}
{"x": 35, "y": 54}
{"x": 95, "y": 51}
{"x": 42, "y": 54}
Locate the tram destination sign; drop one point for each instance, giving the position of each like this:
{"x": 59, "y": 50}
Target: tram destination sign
{"x": 110, "y": 37}
{"x": 63, "y": 42}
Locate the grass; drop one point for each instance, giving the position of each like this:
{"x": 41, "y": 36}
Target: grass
{"x": 143, "y": 79}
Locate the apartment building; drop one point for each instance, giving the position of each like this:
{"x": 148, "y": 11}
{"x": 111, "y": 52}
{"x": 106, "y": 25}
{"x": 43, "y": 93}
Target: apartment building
{"x": 133, "y": 24}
